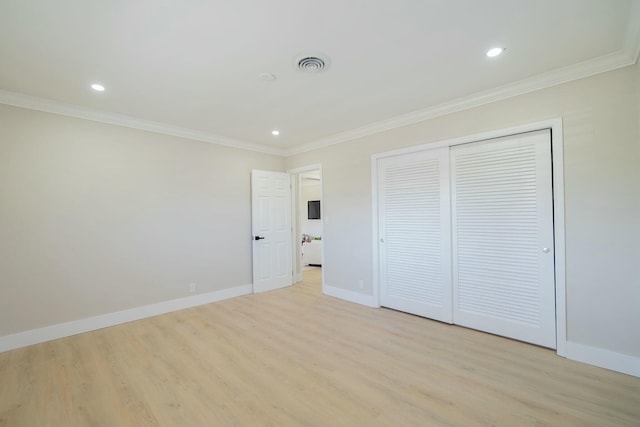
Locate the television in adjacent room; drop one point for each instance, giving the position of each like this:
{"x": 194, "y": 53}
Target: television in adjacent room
{"x": 313, "y": 209}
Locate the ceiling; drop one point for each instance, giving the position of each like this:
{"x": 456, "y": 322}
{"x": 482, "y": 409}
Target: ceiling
{"x": 192, "y": 68}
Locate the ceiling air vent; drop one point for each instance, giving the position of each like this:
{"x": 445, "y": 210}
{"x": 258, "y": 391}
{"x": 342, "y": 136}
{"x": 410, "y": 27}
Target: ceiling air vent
{"x": 312, "y": 64}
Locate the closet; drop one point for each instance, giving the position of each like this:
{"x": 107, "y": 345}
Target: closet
{"x": 466, "y": 235}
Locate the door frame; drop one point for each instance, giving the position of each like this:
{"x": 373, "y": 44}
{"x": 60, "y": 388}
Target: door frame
{"x": 557, "y": 165}
{"x": 296, "y": 231}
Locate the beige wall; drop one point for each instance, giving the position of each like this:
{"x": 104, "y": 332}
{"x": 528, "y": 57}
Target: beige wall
{"x": 96, "y": 218}
{"x": 602, "y": 185}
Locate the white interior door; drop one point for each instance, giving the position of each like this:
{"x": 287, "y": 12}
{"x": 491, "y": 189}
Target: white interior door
{"x": 271, "y": 226}
{"x": 503, "y": 261}
{"x": 414, "y": 230}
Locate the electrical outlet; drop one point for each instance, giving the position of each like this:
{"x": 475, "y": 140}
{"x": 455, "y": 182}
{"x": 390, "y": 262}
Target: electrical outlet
{"x": 192, "y": 288}
{"x": 361, "y": 284}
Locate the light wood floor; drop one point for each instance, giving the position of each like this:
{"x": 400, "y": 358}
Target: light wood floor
{"x": 294, "y": 357}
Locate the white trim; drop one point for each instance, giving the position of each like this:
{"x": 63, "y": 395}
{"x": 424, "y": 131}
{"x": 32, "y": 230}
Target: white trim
{"x": 527, "y": 127}
{"x": 57, "y": 107}
{"x": 557, "y": 150}
{"x": 375, "y": 229}
{"x": 607, "y": 359}
{"x": 296, "y": 268}
{"x": 578, "y": 71}
{"x": 350, "y": 296}
{"x": 558, "y": 199}
{"x": 307, "y": 168}
{"x": 61, "y": 330}
{"x": 632, "y": 36}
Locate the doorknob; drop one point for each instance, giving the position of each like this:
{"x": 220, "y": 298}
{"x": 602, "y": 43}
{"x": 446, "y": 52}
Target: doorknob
{"x": 546, "y": 250}
{"x": 258, "y": 238}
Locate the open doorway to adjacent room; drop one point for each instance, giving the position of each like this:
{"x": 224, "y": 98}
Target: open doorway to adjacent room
{"x": 308, "y": 224}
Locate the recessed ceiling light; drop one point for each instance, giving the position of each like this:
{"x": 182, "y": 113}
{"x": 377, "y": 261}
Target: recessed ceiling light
{"x": 492, "y": 53}
{"x": 275, "y": 132}
{"x": 97, "y": 87}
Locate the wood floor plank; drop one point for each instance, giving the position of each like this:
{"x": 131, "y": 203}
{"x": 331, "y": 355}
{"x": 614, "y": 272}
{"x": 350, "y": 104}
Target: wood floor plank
{"x": 295, "y": 357}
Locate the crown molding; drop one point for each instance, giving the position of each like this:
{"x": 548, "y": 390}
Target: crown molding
{"x": 577, "y": 71}
{"x": 56, "y": 107}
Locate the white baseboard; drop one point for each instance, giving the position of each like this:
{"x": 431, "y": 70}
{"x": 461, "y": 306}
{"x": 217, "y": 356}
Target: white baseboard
{"x": 351, "y": 296}
{"x": 61, "y": 330}
{"x": 607, "y": 359}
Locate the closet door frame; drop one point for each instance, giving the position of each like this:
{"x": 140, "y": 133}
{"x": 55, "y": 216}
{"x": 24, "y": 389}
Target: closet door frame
{"x": 555, "y": 126}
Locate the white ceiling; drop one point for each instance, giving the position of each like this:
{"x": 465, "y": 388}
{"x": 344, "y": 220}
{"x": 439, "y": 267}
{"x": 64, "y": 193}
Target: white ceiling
{"x": 191, "y": 68}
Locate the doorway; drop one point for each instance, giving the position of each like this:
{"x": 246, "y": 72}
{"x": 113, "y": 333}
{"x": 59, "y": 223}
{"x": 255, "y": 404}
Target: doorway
{"x": 307, "y": 212}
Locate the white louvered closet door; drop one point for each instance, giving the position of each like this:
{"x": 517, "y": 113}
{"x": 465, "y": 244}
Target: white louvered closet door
{"x": 503, "y": 261}
{"x": 414, "y": 227}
